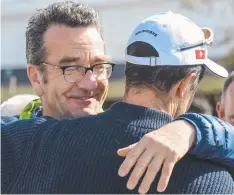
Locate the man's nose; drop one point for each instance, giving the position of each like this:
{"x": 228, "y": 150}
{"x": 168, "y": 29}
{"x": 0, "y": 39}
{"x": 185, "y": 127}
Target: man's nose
{"x": 89, "y": 82}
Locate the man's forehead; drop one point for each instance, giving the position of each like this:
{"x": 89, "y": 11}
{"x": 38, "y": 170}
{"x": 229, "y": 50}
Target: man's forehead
{"x": 84, "y": 58}
{"x": 77, "y": 44}
{"x": 76, "y": 37}
{"x": 81, "y": 45}
{"x": 75, "y": 50}
{"x": 68, "y": 45}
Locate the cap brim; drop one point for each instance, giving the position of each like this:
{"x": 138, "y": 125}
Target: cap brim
{"x": 216, "y": 68}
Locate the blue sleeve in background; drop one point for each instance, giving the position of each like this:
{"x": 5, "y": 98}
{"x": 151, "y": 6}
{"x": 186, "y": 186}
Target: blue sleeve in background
{"x": 214, "y": 140}
{"x": 5, "y": 120}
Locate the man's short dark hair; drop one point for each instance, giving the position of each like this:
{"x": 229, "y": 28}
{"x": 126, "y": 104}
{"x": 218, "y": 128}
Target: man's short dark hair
{"x": 160, "y": 77}
{"x": 227, "y": 83}
{"x": 67, "y": 13}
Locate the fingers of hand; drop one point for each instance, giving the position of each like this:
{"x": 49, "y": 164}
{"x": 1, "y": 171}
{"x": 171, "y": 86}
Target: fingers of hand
{"x": 131, "y": 159}
{"x": 124, "y": 151}
{"x": 166, "y": 173}
{"x": 139, "y": 169}
{"x": 151, "y": 173}
{"x": 142, "y": 154}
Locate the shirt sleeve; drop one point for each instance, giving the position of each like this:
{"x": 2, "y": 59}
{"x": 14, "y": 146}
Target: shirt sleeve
{"x": 214, "y": 138}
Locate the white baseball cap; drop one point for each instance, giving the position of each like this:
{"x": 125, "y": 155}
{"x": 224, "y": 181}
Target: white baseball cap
{"x": 178, "y": 41}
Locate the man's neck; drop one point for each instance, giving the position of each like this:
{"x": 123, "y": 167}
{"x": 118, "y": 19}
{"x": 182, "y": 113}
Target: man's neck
{"x": 149, "y": 99}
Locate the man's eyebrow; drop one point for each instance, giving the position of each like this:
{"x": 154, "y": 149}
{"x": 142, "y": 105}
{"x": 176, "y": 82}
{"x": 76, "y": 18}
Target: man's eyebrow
{"x": 231, "y": 116}
{"x": 68, "y": 59}
{"x": 97, "y": 59}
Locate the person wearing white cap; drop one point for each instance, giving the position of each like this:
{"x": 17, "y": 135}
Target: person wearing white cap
{"x": 79, "y": 155}
{"x": 166, "y": 56}
{"x": 177, "y": 41}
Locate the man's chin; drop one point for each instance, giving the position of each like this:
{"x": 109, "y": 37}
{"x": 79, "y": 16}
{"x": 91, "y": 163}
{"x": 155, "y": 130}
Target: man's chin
{"x": 83, "y": 112}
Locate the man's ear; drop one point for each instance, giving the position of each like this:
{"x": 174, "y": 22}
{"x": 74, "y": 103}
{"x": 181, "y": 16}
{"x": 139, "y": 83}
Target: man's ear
{"x": 183, "y": 86}
{"x": 35, "y": 79}
{"x": 220, "y": 110}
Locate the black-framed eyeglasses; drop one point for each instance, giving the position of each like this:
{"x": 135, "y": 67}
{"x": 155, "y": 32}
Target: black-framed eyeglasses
{"x": 76, "y": 73}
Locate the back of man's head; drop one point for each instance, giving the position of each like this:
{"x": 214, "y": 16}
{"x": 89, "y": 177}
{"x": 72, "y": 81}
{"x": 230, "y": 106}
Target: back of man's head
{"x": 161, "y": 78}
{"x": 166, "y": 54}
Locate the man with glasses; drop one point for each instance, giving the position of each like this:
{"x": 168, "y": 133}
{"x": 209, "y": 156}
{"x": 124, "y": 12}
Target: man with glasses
{"x": 61, "y": 59}
{"x": 73, "y": 74}
{"x": 67, "y": 65}
{"x": 83, "y": 90}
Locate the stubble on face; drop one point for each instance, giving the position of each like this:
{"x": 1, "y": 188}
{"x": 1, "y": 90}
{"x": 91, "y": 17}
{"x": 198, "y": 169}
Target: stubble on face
{"x": 72, "y": 46}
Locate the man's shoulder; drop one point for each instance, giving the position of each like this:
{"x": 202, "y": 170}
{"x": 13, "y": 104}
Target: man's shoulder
{"x": 89, "y": 120}
{"x": 199, "y": 176}
{"x": 195, "y": 167}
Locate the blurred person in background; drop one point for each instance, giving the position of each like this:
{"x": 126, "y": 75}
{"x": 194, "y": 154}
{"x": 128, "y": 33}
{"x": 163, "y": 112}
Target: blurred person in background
{"x": 88, "y": 163}
{"x": 14, "y": 105}
{"x": 225, "y": 108}
{"x": 201, "y": 105}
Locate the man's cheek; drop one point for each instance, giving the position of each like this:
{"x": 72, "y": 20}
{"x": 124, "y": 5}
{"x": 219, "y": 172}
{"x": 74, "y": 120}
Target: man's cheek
{"x": 103, "y": 86}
